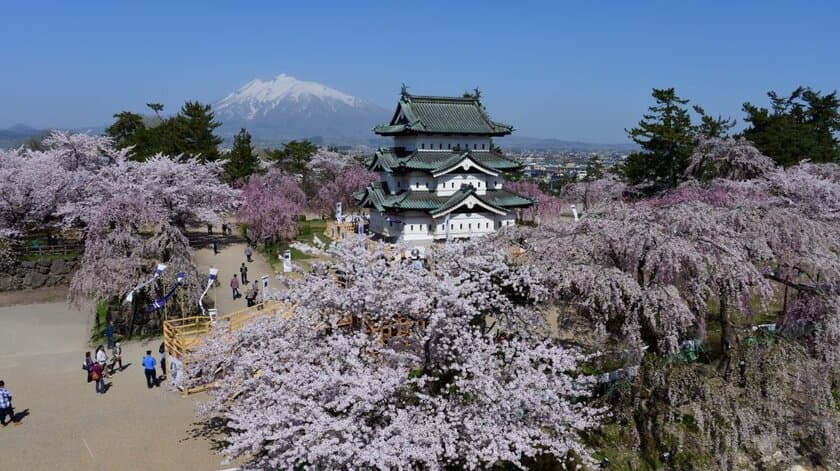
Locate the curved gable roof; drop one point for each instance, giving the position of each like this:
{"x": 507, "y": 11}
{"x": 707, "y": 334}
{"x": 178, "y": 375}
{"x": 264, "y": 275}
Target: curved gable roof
{"x": 418, "y": 114}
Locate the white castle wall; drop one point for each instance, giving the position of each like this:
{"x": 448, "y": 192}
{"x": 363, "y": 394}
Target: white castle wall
{"x": 443, "y": 142}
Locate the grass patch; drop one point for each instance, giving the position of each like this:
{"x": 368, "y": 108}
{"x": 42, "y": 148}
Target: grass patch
{"x": 100, "y": 321}
{"x": 306, "y": 231}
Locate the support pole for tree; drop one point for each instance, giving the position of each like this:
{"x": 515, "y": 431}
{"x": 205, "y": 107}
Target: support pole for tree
{"x": 726, "y": 333}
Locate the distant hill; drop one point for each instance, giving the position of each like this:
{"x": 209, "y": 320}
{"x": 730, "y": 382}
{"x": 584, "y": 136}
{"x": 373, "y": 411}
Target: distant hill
{"x": 18, "y": 134}
{"x": 285, "y": 108}
{"x": 536, "y": 143}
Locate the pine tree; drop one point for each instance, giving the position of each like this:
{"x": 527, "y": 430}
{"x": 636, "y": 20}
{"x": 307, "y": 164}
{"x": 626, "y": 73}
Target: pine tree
{"x": 802, "y": 125}
{"x": 241, "y": 161}
{"x": 711, "y": 126}
{"x": 294, "y": 156}
{"x": 193, "y": 129}
{"x": 126, "y": 129}
{"x": 667, "y": 138}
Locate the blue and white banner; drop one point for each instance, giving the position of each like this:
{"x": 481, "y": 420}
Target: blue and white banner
{"x": 338, "y": 214}
{"x": 158, "y": 272}
{"x": 179, "y": 280}
{"x": 214, "y": 272}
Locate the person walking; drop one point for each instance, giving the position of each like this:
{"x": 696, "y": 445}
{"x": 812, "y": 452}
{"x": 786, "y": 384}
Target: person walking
{"x": 116, "y": 357}
{"x": 255, "y": 292}
{"x": 175, "y": 369}
{"x": 162, "y": 351}
{"x": 101, "y": 358}
{"x": 97, "y": 374}
{"x": 243, "y": 271}
{"x": 87, "y": 365}
{"x": 109, "y": 334}
{"x": 215, "y": 247}
{"x": 249, "y": 298}
{"x": 6, "y": 405}
{"x": 234, "y": 286}
{"x": 248, "y": 253}
{"x": 149, "y": 369}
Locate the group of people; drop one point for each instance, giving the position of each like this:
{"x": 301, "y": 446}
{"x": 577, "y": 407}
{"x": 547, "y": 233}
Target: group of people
{"x": 98, "y": 367}
{"x": 251, "y": 294}
{"x": 226, "y": 230}
{"x": 173, "y": 372}
{"x": 252, "y": 290}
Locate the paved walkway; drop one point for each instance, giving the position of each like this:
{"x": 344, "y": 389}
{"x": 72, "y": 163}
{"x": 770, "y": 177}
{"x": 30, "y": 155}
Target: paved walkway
{"x": 228, "y": 260}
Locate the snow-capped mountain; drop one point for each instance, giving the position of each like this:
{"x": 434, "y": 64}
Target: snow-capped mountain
{"x": 286, "y": 108}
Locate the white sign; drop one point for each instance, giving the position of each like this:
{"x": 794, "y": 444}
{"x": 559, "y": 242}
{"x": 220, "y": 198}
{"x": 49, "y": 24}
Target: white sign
{"x": 265, "y": 287}
{"x": 287, "y": 261}
{"x": 338, "y": 212}
{"x": 575, "y": 213}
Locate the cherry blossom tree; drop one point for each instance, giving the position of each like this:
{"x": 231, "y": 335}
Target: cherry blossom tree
{"x": 729, "y": 158}
{"x": 32, "y": 188}
{"x": 594, "y": 193}
{"x": 132, "y": 215}
{"x": 326, "y": 389}
{"x": 271, "y": 205}
{"x": 546, "y": 207}
{"x": 338, "y": 185}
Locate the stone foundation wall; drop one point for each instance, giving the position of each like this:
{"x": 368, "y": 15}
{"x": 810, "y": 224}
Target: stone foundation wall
{"x": 32, "y": 274}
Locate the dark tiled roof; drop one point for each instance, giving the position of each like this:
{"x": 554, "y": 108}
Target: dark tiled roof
{"x": 441, "y": 115}
{"x": 390, "y": 160}
{"x": 376, "y": 196}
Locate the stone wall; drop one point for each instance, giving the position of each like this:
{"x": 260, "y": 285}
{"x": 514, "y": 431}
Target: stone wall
{"x": 32, "y": 274}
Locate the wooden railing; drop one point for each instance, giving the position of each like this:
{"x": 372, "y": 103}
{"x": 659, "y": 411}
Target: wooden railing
{"x": 183, "y": 336}
{"x": 46, "y": 250}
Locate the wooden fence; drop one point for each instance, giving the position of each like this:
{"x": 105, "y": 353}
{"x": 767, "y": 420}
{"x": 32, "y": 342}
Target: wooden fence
{"x": 183, "y": 336}
{"x": 23, "y": 249}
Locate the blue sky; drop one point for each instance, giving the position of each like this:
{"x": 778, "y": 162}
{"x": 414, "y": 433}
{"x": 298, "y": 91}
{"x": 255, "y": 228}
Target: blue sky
{"x": 569, "y": 70}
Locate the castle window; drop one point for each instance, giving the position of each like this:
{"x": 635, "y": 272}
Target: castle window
{"x": 423, "y": 145}
{"x": 448, "y": 145}
{"x": 440, "y": 146}
{"x": 469, "y": 226}
{"x": 475, "y": 146}
{"x": 411, "y": 228}
{"x": 482, "y": 146}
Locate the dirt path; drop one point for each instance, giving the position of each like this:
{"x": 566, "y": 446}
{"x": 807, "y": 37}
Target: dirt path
{"x": 68, "y": 425}
{"x": 228, "y": 260}
{"x": 51, "y": 294}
